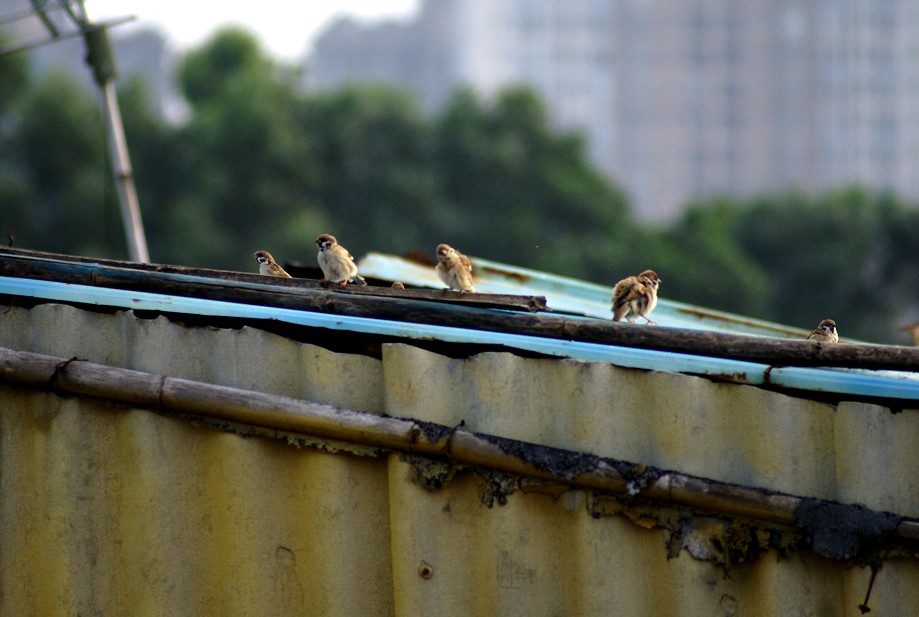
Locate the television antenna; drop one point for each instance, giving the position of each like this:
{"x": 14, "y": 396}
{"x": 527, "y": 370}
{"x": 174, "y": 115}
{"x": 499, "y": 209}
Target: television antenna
{"x": 65, "y": 19}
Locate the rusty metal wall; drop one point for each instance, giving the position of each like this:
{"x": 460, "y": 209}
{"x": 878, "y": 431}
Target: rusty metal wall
{"x": 111, "y": 510}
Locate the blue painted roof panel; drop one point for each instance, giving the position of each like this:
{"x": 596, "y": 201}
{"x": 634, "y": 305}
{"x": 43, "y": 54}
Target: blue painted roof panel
{"x": 571, "y": 295}
{"x": 886, "y": 384}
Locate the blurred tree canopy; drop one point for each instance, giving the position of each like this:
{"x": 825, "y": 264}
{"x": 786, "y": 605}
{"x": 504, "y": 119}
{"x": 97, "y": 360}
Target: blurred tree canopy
{"x": 257, "y": 164}
{"x": 847, "y": 254}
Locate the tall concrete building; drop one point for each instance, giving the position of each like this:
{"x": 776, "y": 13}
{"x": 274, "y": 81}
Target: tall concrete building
{"x": 679, "y": 100}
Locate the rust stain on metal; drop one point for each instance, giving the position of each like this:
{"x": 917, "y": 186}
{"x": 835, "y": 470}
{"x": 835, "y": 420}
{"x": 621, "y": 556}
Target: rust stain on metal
{"x": 514, "y": 276}
{"x": 748, "y": 323}
{"x": 735, "y": 377}
{"x": 563, "y": 464}
{"x": 847, "y": 532}
{"x": 723, "y": 541}
{"x": 431, "y": 474}
{"x": 419, "y": 257}
{"x": 767, "y": 375}
{"x": 638, "y": 477}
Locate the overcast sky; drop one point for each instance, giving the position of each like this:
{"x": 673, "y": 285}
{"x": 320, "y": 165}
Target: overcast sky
{"x": 286, "y": 27}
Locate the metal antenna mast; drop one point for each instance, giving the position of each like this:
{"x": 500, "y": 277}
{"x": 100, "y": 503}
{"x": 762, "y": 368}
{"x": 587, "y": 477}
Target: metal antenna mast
{"x": 101, "y": 59}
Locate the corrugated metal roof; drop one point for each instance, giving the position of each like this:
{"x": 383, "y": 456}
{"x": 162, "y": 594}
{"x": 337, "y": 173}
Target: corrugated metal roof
{"x": 887, "y": 384}
{"x": 571, "y": 295}
{"x": 111, "y": 509}
{"x": 585, "y": 298}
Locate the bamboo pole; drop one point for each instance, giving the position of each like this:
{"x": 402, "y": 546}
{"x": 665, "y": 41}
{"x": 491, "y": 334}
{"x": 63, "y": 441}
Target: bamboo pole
{"x": 101, "y": 59}
{"x": 428, "y": 307}
{"x": 219, "y": 284}
{"x": 325, "y": 421}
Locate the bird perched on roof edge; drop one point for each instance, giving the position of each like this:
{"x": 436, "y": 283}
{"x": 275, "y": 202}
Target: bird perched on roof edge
{"x": 454, "y": 269}
{"x": 913, "y": 330}
{"x": 636, "y": 295}
{"x": 267, "y": 266}
{"x": 336, "y": 262}
{"x": 825, "y": 332}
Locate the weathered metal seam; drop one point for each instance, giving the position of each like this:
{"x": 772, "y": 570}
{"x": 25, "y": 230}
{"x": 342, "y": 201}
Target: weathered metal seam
{"x": 298, "y": 416}
{"x": 795, "y": 378}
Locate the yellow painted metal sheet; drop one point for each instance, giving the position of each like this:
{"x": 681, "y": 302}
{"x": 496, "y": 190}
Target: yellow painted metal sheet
{"x": 112, "y": 510}
{"x": 124, "y": 512}
{"x": 873, "y": 461}
{"x": 245, "y": 358}
{"x": 121, "y": 511}
{"x": 738, "y": 434}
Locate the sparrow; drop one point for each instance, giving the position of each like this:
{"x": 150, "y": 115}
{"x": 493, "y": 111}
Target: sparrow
{"x": 636, "y": 295}
{"x": 913, "y": 330}
{"x": 825, "y": 332}
{"x": 267, "y": 266}
{"x": 336, "y": 262}
{"x": 454, "y": 269}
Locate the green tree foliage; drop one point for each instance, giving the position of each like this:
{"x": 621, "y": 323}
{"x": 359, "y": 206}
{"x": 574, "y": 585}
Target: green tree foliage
{"x": 845, "y": 254}
{"x": 160, "y": 173}
{"x": 14, "y": 79}
{"x": 703, "y": 261}
{"x": 262, "y": 166}
{"x": 517, "y": 191}
{"x": 372, "y": 167}
{"x": 14, "y": 196}
{"x": 245, "y": 158}
{"x": 57, "y": 155}
{"x": 796, "y": 259}
{"x": 257, "y": 164}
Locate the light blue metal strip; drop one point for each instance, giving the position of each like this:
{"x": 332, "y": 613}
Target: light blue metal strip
{"x": 903, "y": 386}
{"x": 572, "y": 295}
{"x": 890, "y": 385}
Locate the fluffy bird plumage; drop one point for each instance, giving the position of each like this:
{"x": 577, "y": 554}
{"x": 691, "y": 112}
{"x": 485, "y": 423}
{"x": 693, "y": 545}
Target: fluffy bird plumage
{"x": 825, "y": 333}
{"x": 267, "y": 266}
{"x": 454, "y": 269}
{"x": 635, "y": 295}
{"x": 336, "y": 262}
{"x": 913, "y": 330}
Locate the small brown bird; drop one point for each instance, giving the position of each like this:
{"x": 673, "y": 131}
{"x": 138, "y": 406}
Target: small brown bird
{"x": 454, "y": 269}
{"x": 267, "y": 266}
{"x": 636, "y": 295}
{"x": 336, "y": 262}
{"x": 913, "y": 330}
{"x": 398, "y": 285}
{"x": 825, "y": 332}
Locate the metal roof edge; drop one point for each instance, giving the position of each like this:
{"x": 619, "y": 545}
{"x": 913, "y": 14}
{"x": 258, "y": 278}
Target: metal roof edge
{"x": 572, "y": 295}
{"x": 887, "y": 385}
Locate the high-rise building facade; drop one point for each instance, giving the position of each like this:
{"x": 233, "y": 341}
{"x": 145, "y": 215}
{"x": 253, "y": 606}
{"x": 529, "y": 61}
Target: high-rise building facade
{"x": 679, "y": 100}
